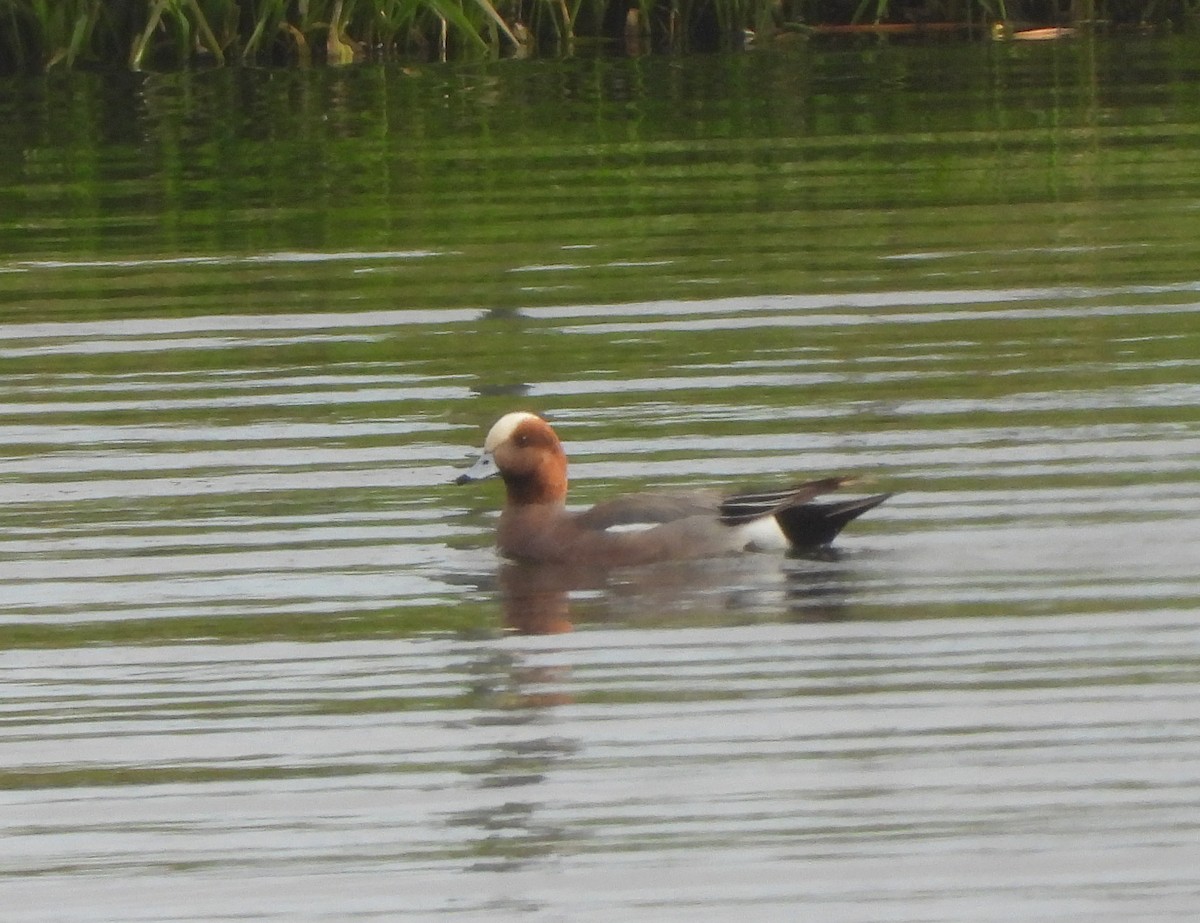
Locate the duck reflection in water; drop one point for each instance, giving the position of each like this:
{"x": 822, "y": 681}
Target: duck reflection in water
{"x": 550, "y": 598}
{"x": 681, "y": 533}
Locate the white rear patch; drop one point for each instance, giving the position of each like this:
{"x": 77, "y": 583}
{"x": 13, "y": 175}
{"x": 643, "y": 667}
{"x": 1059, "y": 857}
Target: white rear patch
{"x": 503, "y": 428}
{"x": 762, "y": 534}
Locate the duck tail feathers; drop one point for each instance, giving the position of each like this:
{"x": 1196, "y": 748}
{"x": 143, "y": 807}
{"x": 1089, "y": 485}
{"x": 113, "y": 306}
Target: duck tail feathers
{"x": 811, "y": 525}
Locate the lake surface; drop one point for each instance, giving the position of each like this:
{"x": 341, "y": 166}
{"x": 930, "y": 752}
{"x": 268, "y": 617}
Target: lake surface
{"x": 259, "y": 661}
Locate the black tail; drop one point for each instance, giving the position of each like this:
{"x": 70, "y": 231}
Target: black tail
{"x": 811, "y": 525}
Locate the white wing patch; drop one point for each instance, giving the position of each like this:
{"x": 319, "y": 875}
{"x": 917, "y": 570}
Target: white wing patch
{"x": 632, "y": 526}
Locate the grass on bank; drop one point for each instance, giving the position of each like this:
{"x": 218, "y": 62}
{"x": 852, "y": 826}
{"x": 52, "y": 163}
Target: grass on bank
{"x": 43, "y": 34}
{"x": 38, "y": 35}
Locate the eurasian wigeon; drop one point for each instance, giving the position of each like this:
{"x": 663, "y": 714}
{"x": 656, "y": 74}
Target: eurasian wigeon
{"x": 536, "y": 526}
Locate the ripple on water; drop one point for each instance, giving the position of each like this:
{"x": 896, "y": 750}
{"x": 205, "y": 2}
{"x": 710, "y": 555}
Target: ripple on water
{"x": 982, "y": 767}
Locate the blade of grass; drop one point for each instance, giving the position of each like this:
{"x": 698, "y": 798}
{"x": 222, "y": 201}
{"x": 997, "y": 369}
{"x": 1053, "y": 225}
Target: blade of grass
{"x": 490, "y": 11}
{"x": 206, "y": 33}
{"x": 81, "y": 33}
{"x": 138, "y": 51}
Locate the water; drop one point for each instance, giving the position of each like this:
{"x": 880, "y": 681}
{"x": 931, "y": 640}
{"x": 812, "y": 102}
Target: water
{"x": 259, "y": 661}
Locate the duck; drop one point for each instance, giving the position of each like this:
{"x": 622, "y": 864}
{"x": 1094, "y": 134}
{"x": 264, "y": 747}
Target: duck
{"x": 536, "y": 526}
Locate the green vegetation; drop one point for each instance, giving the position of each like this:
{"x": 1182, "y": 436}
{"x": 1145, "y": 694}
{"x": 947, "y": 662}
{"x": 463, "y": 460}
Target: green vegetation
{"x": 37, "y": 35}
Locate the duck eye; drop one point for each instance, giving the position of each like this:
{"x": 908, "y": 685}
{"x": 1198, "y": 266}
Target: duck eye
{"x": 522, "y": 440}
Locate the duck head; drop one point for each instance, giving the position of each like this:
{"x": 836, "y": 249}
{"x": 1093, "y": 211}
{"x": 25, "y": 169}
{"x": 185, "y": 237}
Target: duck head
{"x": 525, "y": 451}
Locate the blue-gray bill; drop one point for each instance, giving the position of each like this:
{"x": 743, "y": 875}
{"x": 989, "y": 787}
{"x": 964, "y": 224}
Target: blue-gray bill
{"x": 484, "y": 467}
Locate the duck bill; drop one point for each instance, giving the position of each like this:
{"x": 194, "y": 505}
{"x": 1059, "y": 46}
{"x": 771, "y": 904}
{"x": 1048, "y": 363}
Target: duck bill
{"x": 484, "y": 467}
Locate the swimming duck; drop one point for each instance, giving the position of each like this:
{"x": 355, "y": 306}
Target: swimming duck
{"x": 535, "y": 525}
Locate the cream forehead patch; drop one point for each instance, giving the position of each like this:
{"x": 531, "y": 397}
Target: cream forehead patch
{"x": 503, "y": 428}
